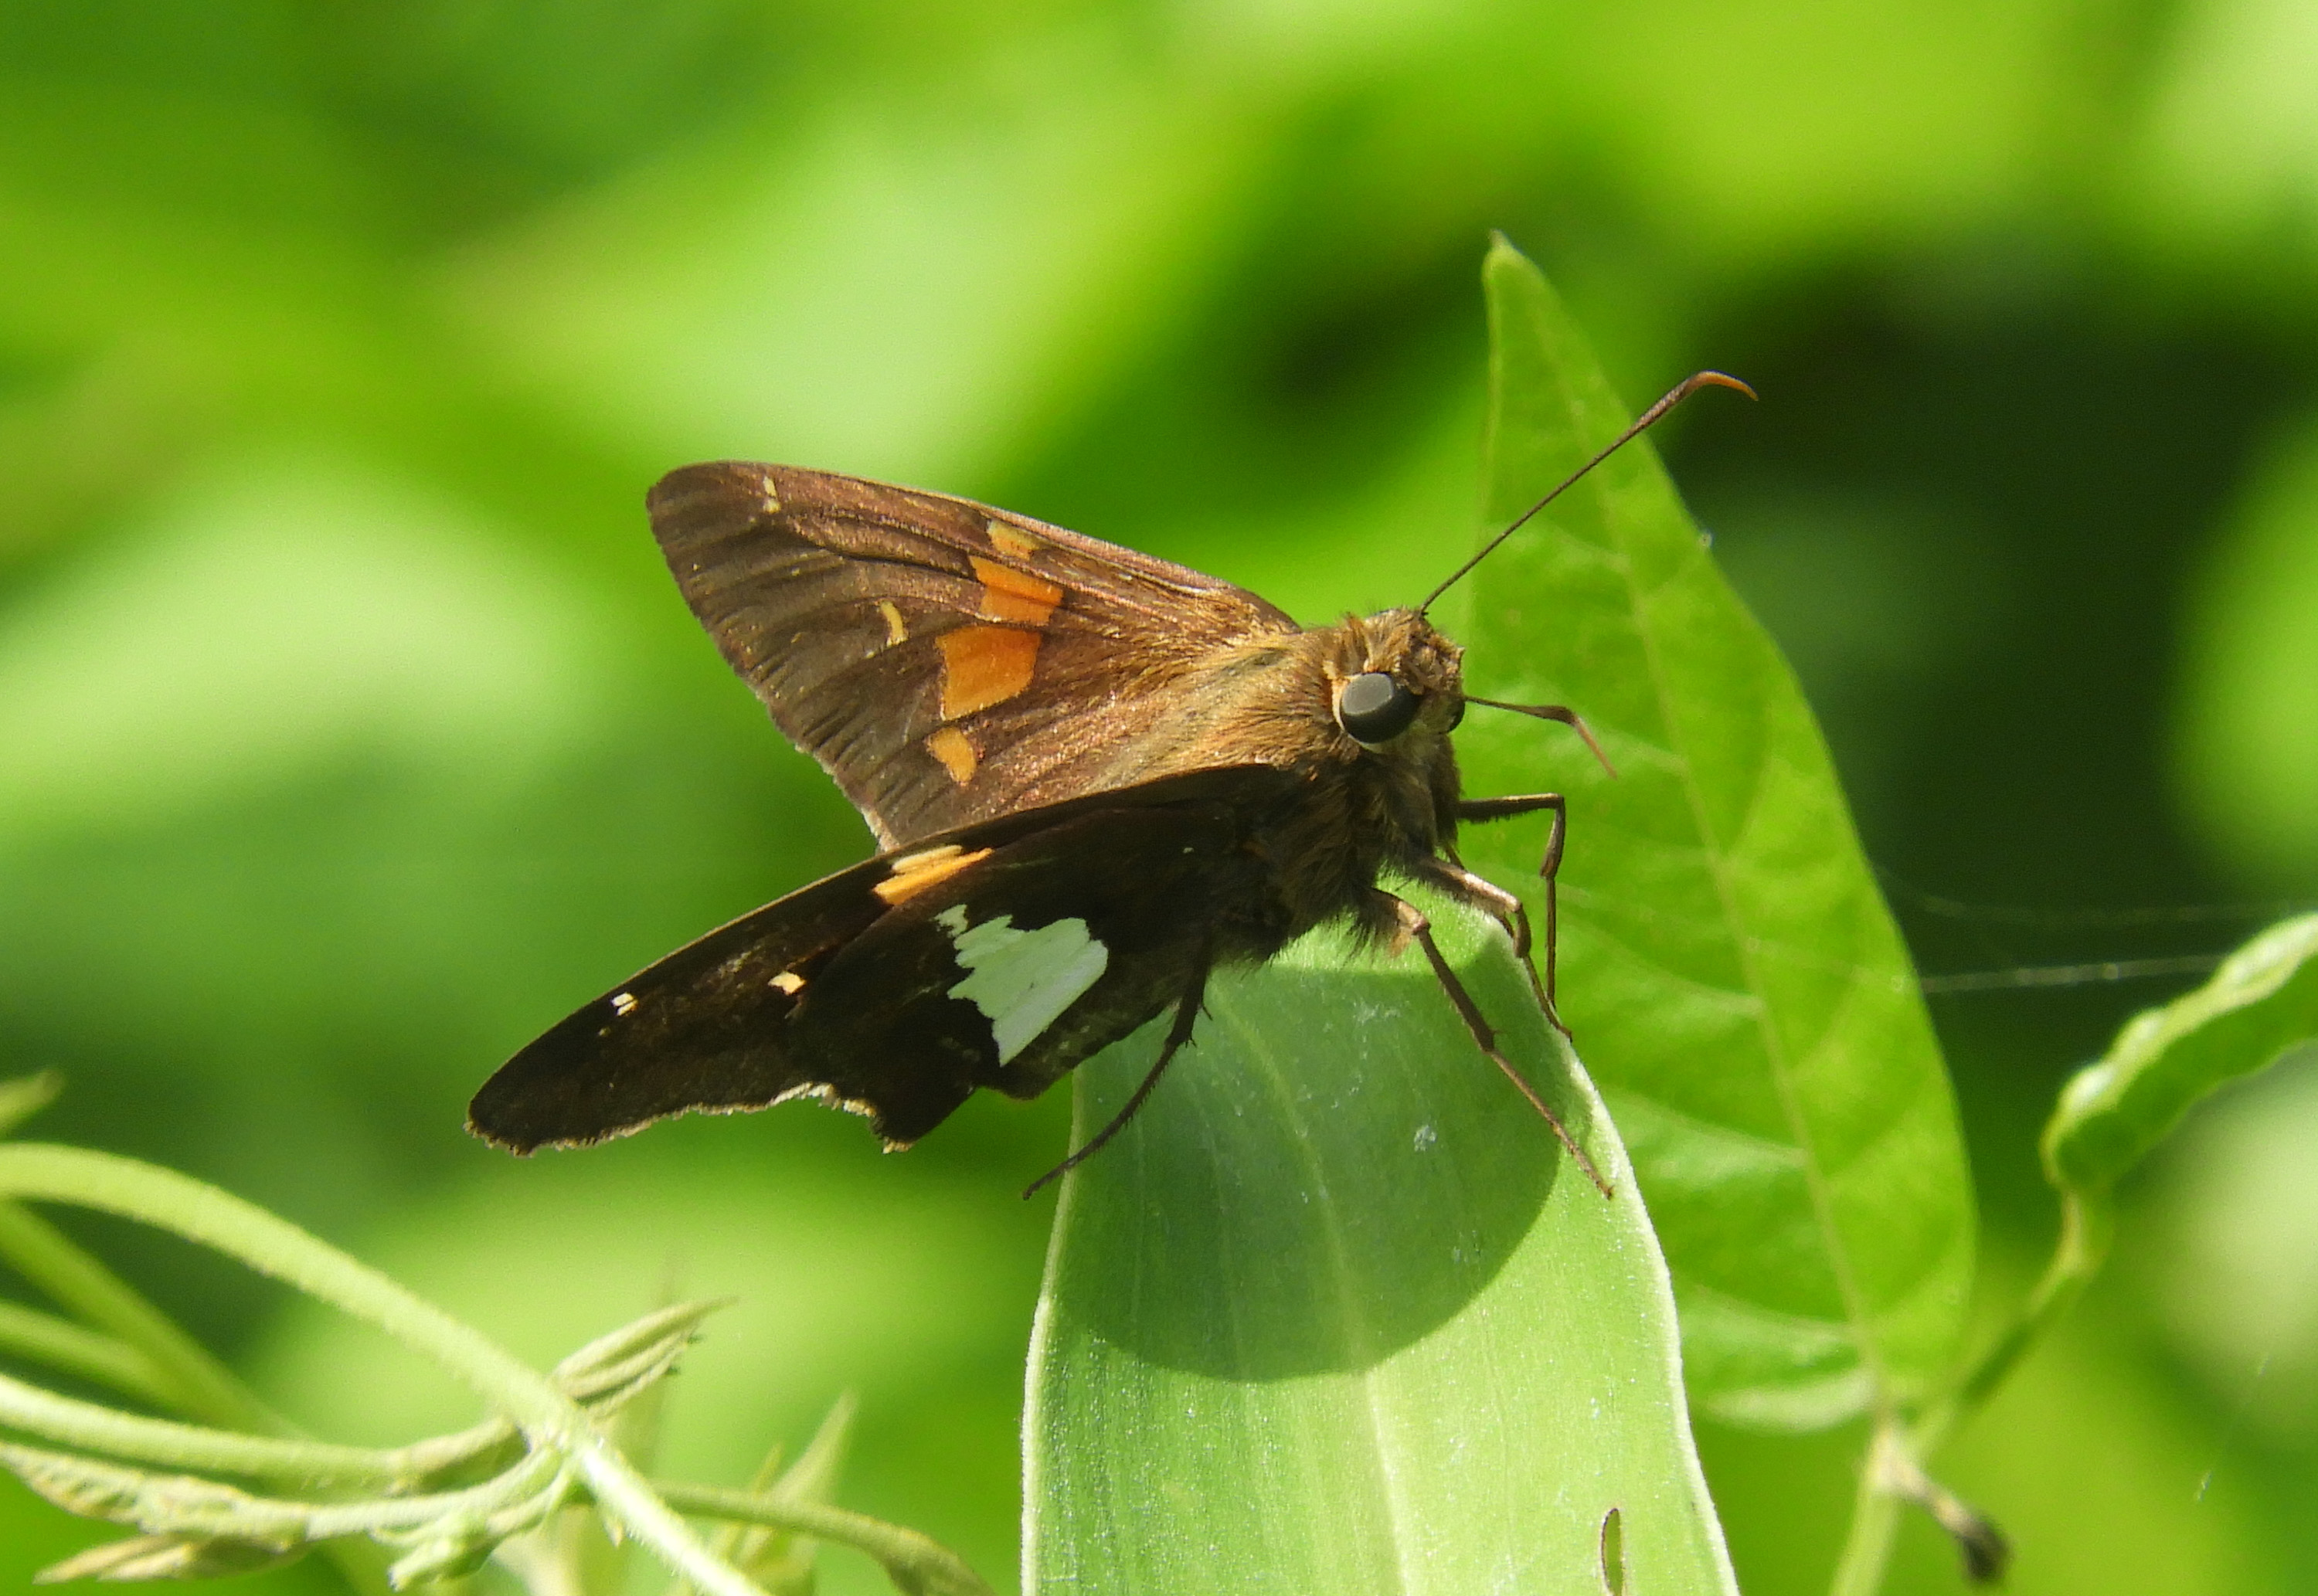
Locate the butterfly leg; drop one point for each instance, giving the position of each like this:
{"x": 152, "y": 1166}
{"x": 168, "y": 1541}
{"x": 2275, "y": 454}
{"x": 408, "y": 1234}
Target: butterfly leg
{"x": 1449, "y": 875}
{"x": 1500, "y": 809}
{"x": 1412, "y": 924}
{"x": 1187, "y": 1015}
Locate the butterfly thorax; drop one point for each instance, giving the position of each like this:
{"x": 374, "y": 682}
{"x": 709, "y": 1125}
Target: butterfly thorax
{"x": 1369, "y": 809}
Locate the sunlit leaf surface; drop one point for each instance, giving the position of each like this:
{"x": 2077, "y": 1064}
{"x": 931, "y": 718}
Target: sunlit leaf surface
{"x": 1732, "y": 975}
{"x": 1337, "y": 1314}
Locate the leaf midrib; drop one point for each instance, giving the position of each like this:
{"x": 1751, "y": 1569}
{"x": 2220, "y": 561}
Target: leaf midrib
{"x": 1742, "y": 946}
{"x": 1397, "y": 1509}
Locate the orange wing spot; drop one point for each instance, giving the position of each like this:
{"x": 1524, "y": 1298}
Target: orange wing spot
{"x": 895, "y": 632}
{"x": 982, "y": 666}
{"x": 914, "y": 873}
{"x": 1012, "y": 540}
{"x": 956, "y": 755}
{"x": 1009, "y": 595}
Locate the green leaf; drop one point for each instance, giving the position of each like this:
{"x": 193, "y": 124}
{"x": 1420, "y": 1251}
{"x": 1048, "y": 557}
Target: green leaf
{"x": 1731, "y": 973}
{"x": 1337, "y": 1314}
{"x": 2260, "y": 1003}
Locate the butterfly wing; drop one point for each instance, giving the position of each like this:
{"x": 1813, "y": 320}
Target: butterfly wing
{"x": 994, "y": 956}
{"x": 945, "y": 661}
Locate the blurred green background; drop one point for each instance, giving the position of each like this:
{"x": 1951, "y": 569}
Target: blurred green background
{"x": 351, "y": 729}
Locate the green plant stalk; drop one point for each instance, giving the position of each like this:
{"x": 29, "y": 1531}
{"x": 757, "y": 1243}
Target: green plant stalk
{"x": 203, "y": 1214}
{"x": 1891, "y": 1476}
{"x": 191, "y": 1381}
{"x": 2088, "y": 1226}
{"x": 733, "y": 1540}
{"x": 205, "y": 1508}
{"x": 1874, "y": 1524}
{"x": 61, "y": 1344}
{"x": 519, "y": 1499}
{"x": 917, "y": 1563}
{"x": 812, "y": 1480}
{"x": 187, "y": 1378}
{"x": 191, "y": 1447}
{"x": 1899, "y": 1447}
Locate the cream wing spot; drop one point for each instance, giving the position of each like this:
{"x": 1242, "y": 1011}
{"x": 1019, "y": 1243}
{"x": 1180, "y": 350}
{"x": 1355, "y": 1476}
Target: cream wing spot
{"x": 1022, "y": 980}
{"x": 913, "y": 872}
{"x": 623, "y": 1004}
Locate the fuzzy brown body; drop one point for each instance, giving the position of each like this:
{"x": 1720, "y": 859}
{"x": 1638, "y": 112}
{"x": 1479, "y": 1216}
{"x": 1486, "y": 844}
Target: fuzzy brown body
{"x": 1361, "y": 813}
{"x": 1096, "y": 777}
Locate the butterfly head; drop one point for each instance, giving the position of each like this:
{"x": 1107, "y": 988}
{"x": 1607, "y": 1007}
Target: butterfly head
{"x": 1391, "y": 676}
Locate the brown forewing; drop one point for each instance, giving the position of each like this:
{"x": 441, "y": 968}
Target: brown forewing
{"x": 946, "y": 662}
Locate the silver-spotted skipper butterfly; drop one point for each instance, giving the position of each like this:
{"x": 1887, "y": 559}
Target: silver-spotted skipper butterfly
{"x": 1097, "y": 778}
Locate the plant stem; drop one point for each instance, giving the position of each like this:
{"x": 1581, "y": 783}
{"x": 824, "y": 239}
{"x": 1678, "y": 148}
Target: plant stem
{"x": 273, "y": 1246}
{"x": 192, "y": 1382}
{"x": 89, "y": 1427}
{"x": 1892, "y": 1473}
{"x": 1874, "y": 1523}
{"x": 2088, "y": 1225}
{"x": 61, "y": 1344}
{"x": 184, "y": 1375}
{"x": 918, "y": 1562}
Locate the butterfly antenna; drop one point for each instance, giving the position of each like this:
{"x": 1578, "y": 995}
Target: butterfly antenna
{"x": 1642, "y": 423}
{"x": 1553, "y": 711}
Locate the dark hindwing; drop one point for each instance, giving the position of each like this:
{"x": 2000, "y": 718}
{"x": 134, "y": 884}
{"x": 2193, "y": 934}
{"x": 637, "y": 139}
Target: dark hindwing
{"x": 946, "y": 662}
{"x": 1000, "y": 955}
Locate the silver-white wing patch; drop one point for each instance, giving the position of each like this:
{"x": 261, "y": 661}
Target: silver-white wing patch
{"x": 1022, "y": 980}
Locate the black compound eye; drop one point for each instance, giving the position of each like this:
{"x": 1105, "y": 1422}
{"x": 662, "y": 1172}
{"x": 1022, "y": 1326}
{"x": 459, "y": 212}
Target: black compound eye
{"x": 1373, "y": 709}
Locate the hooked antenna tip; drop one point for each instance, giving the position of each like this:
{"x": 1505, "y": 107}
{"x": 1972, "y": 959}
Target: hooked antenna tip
{"x": 1719, "y": 379}
{"x": 1642, "y": 423}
